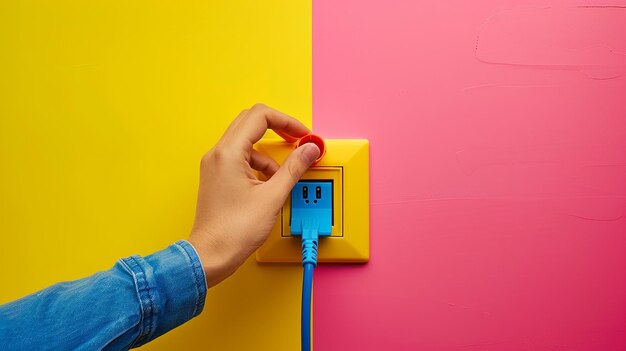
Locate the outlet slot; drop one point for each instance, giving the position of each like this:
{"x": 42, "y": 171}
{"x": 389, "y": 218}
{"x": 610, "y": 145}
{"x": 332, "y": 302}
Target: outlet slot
{"x": 321, "y": 175}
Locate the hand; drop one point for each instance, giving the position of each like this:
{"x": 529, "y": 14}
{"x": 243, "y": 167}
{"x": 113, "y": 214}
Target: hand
{"x": 236, "y": 211}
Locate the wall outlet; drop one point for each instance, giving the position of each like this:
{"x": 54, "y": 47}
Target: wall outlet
{"x": 332, "y": 174}
{"x": 344, "y": 170}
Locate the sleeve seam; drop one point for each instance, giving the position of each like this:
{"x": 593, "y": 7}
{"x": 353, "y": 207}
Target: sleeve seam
{"x": 146, "y": 302}
{"x": 198, "y": 274}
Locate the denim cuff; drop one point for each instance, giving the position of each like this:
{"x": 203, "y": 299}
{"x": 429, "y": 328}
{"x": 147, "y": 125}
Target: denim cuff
{"x": 171, "y": 288}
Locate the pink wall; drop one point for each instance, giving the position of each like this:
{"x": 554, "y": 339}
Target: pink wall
{"x": 498, "y": 173}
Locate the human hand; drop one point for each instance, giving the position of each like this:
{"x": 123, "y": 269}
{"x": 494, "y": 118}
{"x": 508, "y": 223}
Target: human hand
{"x": 236, "y": 211}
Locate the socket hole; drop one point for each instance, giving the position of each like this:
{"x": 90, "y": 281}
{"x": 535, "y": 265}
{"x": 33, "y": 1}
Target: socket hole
{"x": 314, "y": 201}
{"x": 307, "y": 201}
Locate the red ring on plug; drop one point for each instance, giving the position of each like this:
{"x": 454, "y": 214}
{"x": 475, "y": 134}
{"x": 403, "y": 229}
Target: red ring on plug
{"x": 315, "y": 139}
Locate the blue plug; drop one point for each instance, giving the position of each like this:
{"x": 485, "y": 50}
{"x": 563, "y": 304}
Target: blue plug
{"x": 311, "y": 217}
{"x": 312, "y": 202}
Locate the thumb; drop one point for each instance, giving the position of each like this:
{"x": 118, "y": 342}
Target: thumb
{"x": 292, "y": 169}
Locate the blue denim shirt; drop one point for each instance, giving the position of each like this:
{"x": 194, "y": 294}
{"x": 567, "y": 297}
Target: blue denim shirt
{"x": 126, "y": 306}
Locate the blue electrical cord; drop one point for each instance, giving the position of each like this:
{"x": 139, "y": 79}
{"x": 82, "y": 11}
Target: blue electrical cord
{"x": 311, "y": 217}
{"x": 309, "y": 261}
{"x": 307, "y": 289}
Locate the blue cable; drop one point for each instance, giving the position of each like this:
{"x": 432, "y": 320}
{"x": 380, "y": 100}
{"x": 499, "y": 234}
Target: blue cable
{"x": 307, "y": 289}
{"x": 311, "y": 217}
{"x": 309, "y": 261}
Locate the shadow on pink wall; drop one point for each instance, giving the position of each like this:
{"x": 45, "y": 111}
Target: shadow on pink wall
{"x": 498, "y": 174}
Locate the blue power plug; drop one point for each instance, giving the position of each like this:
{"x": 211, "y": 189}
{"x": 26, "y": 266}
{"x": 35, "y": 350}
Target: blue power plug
{"x": 311, "y": 217}
{"x": 312, "y": 200}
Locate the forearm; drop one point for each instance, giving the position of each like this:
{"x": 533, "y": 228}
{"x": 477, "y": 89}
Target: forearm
{"x": 126, "y": 306}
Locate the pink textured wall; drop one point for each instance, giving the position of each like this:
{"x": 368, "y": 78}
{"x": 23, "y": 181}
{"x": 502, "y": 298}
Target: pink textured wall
{"x": 498, "y": 173}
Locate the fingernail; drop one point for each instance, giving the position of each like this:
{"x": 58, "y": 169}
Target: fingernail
{"x": 310, "y": 152}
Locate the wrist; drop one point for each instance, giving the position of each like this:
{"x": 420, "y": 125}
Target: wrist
{"x": 215, "y": 263}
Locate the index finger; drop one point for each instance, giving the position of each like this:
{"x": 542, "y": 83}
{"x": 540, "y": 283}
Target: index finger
{"x": 260, "y": 118}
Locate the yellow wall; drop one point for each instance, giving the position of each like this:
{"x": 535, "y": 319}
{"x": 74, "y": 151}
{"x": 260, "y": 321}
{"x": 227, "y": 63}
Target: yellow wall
{"x": 105, "y": 110}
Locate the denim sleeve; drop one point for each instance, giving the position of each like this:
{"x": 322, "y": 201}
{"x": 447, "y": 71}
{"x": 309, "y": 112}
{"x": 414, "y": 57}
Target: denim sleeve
{"x": 126, "y": 306}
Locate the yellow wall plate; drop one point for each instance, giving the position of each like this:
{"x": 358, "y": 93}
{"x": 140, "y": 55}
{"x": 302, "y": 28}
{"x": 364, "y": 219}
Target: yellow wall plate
{"x": 346, "y": 163}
